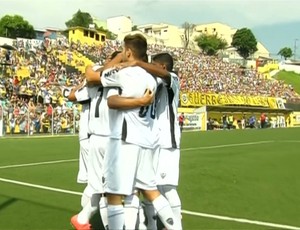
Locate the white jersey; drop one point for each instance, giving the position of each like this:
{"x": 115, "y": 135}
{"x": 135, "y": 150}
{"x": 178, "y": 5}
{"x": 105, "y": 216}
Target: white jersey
{"x": 137, "y": 127}
{"x": 99, "y": 112}
{"x": 82, "y": 97}
{"x": 167, "y": 99}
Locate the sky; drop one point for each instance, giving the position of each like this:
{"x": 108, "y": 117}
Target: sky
{"x": 236, "y": 13}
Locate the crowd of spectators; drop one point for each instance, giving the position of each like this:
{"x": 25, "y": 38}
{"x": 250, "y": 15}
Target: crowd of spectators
{"x": 36, "y": 103}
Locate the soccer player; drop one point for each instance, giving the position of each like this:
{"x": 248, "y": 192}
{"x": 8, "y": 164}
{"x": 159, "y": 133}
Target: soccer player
{"x": 99, "y": 130}
{"x": 167, "y": 158}
{"x": 129, "y": 164}
{"x": 79, "y": 94}
{"x": 170, "y": 134}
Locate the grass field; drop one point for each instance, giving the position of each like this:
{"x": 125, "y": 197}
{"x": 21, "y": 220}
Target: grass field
{"x": 238, "y": 179}
{"x": 290, "y": 78}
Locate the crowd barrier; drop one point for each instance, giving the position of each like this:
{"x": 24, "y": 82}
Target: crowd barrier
{"x": 53, "y": 121}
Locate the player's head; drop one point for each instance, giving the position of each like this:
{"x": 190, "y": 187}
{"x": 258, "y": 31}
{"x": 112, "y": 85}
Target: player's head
{"x": 135, "y": 47}
{"x": 114, "y": 54}
{"x": 164, "y": 60}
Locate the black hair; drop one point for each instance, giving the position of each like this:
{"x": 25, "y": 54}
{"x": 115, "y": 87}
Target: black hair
{"x": 114, "y": 54}
{"x": 164, "y": 58}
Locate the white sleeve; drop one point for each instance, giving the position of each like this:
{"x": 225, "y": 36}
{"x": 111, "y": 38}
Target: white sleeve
{"x": 174, "y": 85}
{"x": 111, "y": 78}
{"x": 82, "y": 94}
{"x": 113, "y": 92}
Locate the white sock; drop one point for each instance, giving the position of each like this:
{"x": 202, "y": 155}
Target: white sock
{"x": 151, "y": 215}
{"x": 142, "y": 219}
{"x": 174, "y": 200}
{"x": 165, "y": 212}
{"x": 103, "y": 211}
{"x": 116, "y": 217}
{"x": 84, "y": 200}
{"x": 131, "y": 208}
{"x": 89, "y": 209}
{"x": 86, "y": 195}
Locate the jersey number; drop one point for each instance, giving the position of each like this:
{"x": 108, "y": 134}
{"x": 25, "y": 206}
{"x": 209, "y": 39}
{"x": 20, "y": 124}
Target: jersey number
{"x": 98, "y": 102}
{"x": 143, "y": 111}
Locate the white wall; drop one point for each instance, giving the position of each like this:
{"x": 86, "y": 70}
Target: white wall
{"x": 287, "y": 67}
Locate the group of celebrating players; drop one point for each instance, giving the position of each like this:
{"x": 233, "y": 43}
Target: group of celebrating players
{"x": 129, "y": 140}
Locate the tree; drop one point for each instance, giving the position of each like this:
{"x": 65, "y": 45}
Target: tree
{"x": 188, "y": 30}
{"x": 109, "y": 35}
{"x": 245, "y": 42}
{"x": 285, "y": 52}
{"x": 210, "y": 44}
{"x": 15, "y": 26}
{"x": 134, "y": 28}
{"x": 81, "y": 19}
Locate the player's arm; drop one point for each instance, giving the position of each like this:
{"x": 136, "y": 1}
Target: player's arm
{"x": 94, "y": 76}
{"x": 119, "y": 102}
{"x": 72, "y": 96}
{"x": 150, "y": 68}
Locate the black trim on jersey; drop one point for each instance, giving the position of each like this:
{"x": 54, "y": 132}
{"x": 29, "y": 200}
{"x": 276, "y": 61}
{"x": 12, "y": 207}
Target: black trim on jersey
{"x": 120, "y": 91}
{"x": 89, "y": 135}
{"x": 172, "y": 117}
{"x": 84, "y": 102}
{"x": 124, "y": 130}
{"x": 100, "y": 89}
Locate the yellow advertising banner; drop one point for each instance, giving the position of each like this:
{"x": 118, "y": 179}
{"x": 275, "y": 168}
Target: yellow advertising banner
{"x": 201, "y": 99}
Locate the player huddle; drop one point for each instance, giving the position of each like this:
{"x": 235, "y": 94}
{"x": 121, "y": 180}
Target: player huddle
{"x": 129, "y": 140}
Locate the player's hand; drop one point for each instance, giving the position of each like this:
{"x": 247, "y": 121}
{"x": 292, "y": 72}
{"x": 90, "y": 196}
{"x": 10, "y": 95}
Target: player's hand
{"x": 148, "y": 97}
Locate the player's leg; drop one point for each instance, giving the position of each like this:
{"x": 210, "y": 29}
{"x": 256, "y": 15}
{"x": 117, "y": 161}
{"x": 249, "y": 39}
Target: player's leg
{"x": 168, "y": 176}
{"x": 95, "y": 175}
{"x": 146, "y": 181}
{"x": 82, "y": 175}
{"x": 171, "y": 194}
{"x": 131, "y": 209}
{"x": 119, "y": 171}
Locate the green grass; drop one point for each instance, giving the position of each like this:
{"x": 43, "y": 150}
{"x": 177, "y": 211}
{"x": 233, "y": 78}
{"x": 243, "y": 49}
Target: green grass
{"x": 290, "y": 78}
{"x": 249, "y": 179}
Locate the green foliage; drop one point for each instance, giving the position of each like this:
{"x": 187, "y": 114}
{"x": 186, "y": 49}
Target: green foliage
{"x": 285, "y": 52}
{"x": 15, "y": 26}
{"x": 134, "y": 28}
{"x": 245, "y": 42}
{"x": 210, "y": 44}
{"x": 82, "y": 19}
{"x": 109, "y": 35}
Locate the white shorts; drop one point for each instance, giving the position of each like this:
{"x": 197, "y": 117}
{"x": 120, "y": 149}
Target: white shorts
{"x": 127, "y": 167}
{"x": 82, "y": 175}
{"x": 98, "y": 146}
{"x": 167, "y": 166}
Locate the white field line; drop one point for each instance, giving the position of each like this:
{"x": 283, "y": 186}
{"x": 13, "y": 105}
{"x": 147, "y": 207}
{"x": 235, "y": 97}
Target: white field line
{"x": 228, "y": 145}
{"x": 240, "y": 220}
{"x": 186, "y": 149}
{"x": 38, "y": 163}
{"x": 40, "y": 186}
